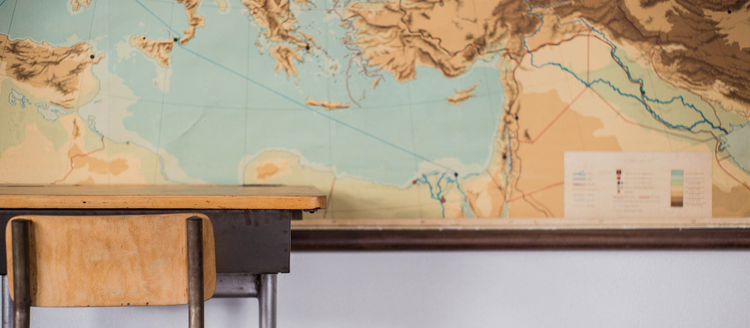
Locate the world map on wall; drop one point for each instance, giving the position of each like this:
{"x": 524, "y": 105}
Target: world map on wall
{"x": 393, "y": 108}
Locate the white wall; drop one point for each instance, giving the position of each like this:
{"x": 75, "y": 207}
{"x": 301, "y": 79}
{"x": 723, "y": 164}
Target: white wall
{"x": 477, "y": 289}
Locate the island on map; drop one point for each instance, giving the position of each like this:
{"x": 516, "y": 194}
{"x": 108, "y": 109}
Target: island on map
{"x": 327, "y": 104}
{"x": 161, "y": 49}
{"x": 223, "y": 5}
{"x": 156, "y": 49}
{"x": 462, "y": 95}
{"x": 77, "y": 4}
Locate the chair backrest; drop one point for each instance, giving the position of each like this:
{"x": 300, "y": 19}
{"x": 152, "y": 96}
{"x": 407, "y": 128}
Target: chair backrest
{"x": 112, "y": 260}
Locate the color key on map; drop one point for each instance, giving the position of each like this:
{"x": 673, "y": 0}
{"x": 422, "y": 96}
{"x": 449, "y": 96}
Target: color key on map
{"x": 637, "y": 185}
{"x": 677, "y": 188}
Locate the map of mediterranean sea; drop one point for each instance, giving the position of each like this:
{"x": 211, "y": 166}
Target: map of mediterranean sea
{"x": 394, "y": 108}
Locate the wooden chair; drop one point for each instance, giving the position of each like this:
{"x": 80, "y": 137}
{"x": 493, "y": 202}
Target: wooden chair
{"x": 139, "y": 260}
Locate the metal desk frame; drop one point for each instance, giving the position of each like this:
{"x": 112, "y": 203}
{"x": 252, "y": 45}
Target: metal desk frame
{"x": 228, "y": 285}
{"x": 252, "y": 247}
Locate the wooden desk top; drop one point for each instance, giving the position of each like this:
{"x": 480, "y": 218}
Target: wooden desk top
{"x": 162, "y": 197}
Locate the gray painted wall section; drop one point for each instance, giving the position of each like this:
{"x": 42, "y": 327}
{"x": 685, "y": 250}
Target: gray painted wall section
{"x": 476, "y": 289}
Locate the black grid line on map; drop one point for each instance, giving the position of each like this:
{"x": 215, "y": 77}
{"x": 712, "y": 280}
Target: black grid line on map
{"x": 247, "y": 98}
{"x": 202, "y": 3}
{"x": 487, "y": 83}
{"x": 10, "y": 24}
{"x": 80, "y": 83}
{"x": 329, "y": 200}
{"x": 414, "y": 149}
{"x": 160, "y": 159}
{"x": 489, "y": 105}
{"x": 572, "y": 97}
{"x": 290, "y": 108}
{"x": 231, "y": 4}
{"x": 420, "y": 187}
{"x": 493, "y": 117}
{"x": 655, "y": 95}
{"x": 724, "y": 54}
{"x": 107, "y": 151}
{"x": 545, "y": 82}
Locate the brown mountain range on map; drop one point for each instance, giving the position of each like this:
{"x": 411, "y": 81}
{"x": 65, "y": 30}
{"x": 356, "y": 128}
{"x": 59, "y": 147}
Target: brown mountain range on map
{"x": 691, "y": 46}
{"x": 399, "y": 36}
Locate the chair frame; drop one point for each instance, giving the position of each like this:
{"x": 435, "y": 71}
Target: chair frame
{"x": 22, "y": 283}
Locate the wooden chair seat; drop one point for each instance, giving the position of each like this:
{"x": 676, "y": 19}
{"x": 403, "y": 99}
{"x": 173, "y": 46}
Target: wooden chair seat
{"x": 79, "y": 261}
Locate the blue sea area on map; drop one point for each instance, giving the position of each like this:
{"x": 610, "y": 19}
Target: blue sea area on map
{"x": 225, "y": 99}
{"x": 52, "y": 24}
{"x": 6, "y": 14}
{"x": 122, "y": 20}
{"x": 736, "y": 143}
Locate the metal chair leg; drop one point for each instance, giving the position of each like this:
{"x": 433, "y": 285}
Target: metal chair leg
{"x": 7, "y": 305}
{"x": 21, "y": 274}
{"x": 267, "y": 300}
{"x": 195, "y": 271}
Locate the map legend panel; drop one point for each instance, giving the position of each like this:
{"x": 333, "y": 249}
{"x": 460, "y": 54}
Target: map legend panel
{"x": 637, "y": 185}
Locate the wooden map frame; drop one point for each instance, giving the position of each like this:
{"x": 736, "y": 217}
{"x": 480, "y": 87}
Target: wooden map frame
{"x": 519, "y": 234}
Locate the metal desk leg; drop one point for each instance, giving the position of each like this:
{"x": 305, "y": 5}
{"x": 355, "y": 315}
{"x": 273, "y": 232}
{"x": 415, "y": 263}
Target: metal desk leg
{"x": 21, "y": 273}
{"x": 195, "y": 271}
{"x": 267, "y": 300}
{"x": 7, "y": 307}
